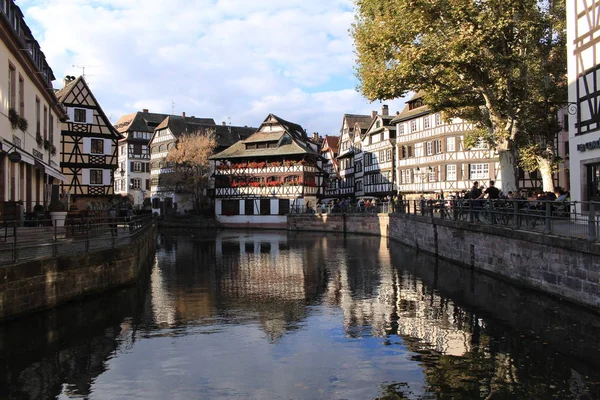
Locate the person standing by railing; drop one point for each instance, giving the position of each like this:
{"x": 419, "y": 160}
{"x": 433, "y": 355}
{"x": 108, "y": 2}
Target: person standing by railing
{"x": 112, "y": 218}
{"x": 475, "y": 196}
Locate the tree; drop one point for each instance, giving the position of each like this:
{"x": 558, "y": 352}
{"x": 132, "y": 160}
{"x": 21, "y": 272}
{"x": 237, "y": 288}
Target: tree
{"x": 496, "y": 63}
{"x": 190, "y": 167}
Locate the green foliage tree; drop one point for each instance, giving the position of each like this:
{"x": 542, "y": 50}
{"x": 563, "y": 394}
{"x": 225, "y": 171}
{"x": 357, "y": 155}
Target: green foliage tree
{"x": 497, "y": 63}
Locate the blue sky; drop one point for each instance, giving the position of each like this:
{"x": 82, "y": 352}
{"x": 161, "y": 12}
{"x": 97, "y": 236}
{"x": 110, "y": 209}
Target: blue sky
{"x": 232, "y": 60}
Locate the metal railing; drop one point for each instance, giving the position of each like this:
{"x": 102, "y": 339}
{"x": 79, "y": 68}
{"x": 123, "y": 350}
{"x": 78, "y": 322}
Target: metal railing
{"x": 78, "y": 235}
{"x": 562, "y": 218}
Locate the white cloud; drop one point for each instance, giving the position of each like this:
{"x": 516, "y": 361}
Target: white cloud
{"x": 224, "y": 59}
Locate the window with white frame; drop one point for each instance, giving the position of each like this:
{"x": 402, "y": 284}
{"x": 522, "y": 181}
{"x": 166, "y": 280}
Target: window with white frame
{"x": 137, "y": 167}
{"x": 136, "y": 183}
{"x": 479, "y": 171}
{"x": 433, "y": 174}
{"x": 450, "y": 144}
{"x": 438, "y": 119}
{"x": 413, "y": 125}
{"x": 429, "y": 148}
{"x": 96, "y": 176}
{"x": 388, "y": 155}
{"x": 400, "y": 129}
{"x": 426, "y": 122}
{"x": 451, "y": 172}
{"x": 481, "y": 144}
{"x": 408, "y": 175}
{"x": 79, "y": 115}
{"x": 437, "y": 146}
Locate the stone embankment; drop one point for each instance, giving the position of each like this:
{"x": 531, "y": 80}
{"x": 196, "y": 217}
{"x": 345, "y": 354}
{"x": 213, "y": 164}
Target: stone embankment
{"x": 565, "y": 267}
{"x": 41, "y": 284}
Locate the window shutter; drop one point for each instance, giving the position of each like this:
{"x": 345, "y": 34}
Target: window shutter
{"x": 108, "y": 150}
{"x": 87, "y": 145}
{"x": 131, "y": 183}
{"x": 85, "y": 176}
{"x": 71, "y": 113}
{"x": 147, "y": 184}
{"x": 131, "y": 166}
{"x": 89, "y": 116}
{"x": 106, "y": 175}
{"x": 147, "y": 167}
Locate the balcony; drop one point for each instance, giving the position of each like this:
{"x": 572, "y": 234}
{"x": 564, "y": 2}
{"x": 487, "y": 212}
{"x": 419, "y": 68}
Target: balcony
{"x": 267, "y": 191}
{"x": 261, "y": 168}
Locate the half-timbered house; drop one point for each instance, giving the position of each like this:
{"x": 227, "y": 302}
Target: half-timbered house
{"x": 259, "y": 180}
{"x": 30, "y": 115}
{"x": 378, "y": 156}
{"x": 353, "y": 127}
{"x": 431, "y": 156}
{"x": 329, "y": 152}
{"x": 88, "y": 147}
{"x": 583, "y": 47}
{"x": 166, "y": 197}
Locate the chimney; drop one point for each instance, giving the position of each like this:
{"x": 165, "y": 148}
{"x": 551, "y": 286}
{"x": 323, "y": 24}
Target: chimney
{"x": 68, "y": 79}
{"x": 316, "y": 136}
{"x": 385, "y": 111}
{"x": 224, "y": 123}
{"x": 183, "y": 114}
{"x": 145, "y": 110}
{"x": 373, "y": 114}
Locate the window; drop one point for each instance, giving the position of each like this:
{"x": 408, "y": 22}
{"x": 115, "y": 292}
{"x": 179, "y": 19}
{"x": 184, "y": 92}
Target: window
{"x": 450, "y": 144}
{"x": 567, "y": 148}
{"x": 479, "y": 171}
{"x": 284, "y": 206}
{"x": 437, "y": 146}
{"x": 429, "y": 148}
{"x": 230, "y": 207}
{"x": 413, "y": 125}
{"x": 409, "y": 176}
{"x": 378, "y": 124}
{"x": 400, "y": 129}
{"x": 51, "y": 127}
{"x": 358, "y": 186}
{"x": 38, "y": 117}
{"x": 450, "y": 172}
{"x": 265, "y": 206}
{"x": 432, "y": 174}
{"x": 358, "y": 166}
{"x": 96, "y": 177}
{"x": 426, "y": 122}
{"x": 137, "y": 167}
{"x": 249, "y": 207}
{"x": 21, "y": 96}
{"x": 438, "y": 119}
{"x": 122, "y": 150}
{"x": 481, "y": 144}
{"x": 45, "y": 123}
{"x": 97, "y": 146}
{"x": 388, "y": 154}
{"x": 79, "y": 115}
{"x": 12, "y": 76}
{"x": 136, "y": 183}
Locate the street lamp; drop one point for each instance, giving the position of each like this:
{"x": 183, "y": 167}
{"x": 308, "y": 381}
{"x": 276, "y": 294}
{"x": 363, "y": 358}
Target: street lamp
{"x": 423, "y": 173}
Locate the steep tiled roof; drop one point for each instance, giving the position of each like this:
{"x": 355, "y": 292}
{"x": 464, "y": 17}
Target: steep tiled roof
{"x": 407, "y": 113}
{"x": 61, "y": 94}
{"x": 333, "y": 142}
{"x": 293, "y": 140}
{"x": 362, "y": 120}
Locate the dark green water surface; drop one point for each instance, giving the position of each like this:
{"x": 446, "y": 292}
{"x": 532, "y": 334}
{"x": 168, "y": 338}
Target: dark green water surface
{"x": 275, "y": 315}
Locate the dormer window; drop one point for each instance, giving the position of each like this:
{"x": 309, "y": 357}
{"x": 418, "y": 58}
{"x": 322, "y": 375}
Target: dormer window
{"x": 378, "y": 124}
{"x": 79, "y": 115}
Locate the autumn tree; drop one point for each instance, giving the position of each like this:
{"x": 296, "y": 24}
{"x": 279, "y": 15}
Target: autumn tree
{"x": 497, "y": 63}
{"x": 189, "y": 165}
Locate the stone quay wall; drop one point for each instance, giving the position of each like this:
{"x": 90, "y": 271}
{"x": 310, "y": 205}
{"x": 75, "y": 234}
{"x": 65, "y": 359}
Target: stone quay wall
{"x": 41, "y": 284}
{"x": 565, "y": 267}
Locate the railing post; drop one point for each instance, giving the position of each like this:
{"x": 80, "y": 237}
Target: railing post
{"x": 55, "y": 244}
{"x": 592, "y": 222}
{"x": 471, "y": 216}
{"x": 15, "y": 249}
{"x": 548, "y": 219}
{"x": 516, "y": 220}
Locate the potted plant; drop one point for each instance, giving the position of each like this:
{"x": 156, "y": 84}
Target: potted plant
{"x": 13, "y": 117}
{"x": 39, "y": 140}
{"x": 58, "y": 212}
{"x": 23, "y": 124}
{"x": 47, "y": 145}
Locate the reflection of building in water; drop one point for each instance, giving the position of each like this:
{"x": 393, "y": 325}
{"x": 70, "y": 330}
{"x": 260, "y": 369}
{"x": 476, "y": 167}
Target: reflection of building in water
{"x": 255, "y": 274}
{"x": 400, "y": 304}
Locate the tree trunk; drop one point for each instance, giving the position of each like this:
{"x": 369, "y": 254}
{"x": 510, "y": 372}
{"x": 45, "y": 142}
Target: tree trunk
{"x": 545, "y": 168}
{"x": 508, "y": 171}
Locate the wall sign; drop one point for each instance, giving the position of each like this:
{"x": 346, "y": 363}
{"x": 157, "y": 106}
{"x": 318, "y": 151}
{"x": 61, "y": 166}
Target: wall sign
{"x": 589, "y": 145}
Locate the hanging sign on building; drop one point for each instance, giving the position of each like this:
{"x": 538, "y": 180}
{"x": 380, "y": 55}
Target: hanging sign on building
{"x": 14, "y": 157}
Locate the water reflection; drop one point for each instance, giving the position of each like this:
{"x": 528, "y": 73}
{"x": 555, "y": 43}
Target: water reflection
{"x": 280, "y": 315}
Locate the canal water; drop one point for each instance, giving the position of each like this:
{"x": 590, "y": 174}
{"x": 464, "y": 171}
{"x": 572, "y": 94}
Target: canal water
{"x": 277, "y": 315}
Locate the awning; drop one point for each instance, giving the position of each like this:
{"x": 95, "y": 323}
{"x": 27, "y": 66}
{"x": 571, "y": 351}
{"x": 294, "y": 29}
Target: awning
{"x": 54, "y": 173}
